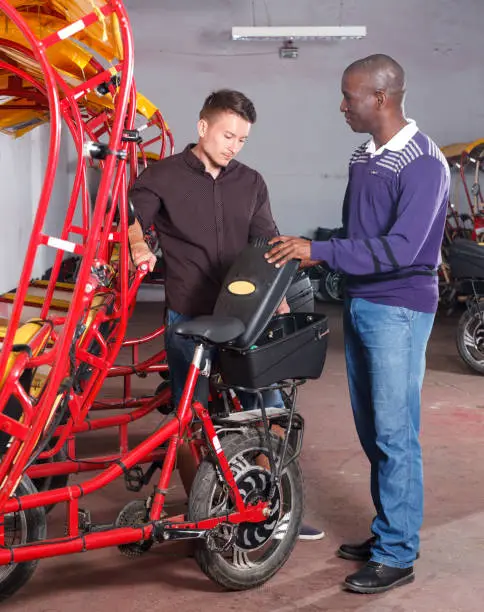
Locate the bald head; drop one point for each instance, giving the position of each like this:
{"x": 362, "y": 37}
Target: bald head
{"x": 384, "y": 74}
{"x": 373, "y": 94}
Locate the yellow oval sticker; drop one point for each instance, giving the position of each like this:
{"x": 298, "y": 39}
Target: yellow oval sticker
{"x": 241, "y": 287}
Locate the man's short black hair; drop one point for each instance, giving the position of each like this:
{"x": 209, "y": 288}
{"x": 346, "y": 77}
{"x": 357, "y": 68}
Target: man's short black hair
{"x": 231, "y": 101}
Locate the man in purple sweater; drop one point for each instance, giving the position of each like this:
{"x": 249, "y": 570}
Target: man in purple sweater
{"x": 393, "y": 220}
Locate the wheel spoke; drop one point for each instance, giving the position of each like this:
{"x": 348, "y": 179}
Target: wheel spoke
{"x": 472, "y": 341}
{"x": 468, "y": 338}
{"x": 241, "y": 559}
{"x": 282, "y": 527}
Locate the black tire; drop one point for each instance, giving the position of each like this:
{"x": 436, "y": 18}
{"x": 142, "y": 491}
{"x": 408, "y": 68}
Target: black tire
{"x": 164, "y": 408}
{"x": 32, "y": 526}
{"x": 330, "y": 287}
{"x": 233, "y": 569}
{"x": 470, "y": 339}
{"x": 334, "y": 286}
{"x": 52, "y": 482}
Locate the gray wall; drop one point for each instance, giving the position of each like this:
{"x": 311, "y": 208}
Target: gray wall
{"x": 22, "y": 169}
{"x": 301, "y": 143}
{"x": 16, "y": 206}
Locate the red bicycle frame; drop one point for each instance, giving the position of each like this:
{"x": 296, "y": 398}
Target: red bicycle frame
{"x": 174, "y": 432}
{"x": 79, "y": 348}
{"x": 82, "y": 123}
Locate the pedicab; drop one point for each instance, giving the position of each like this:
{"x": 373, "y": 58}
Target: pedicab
{"x": 56, "y": 353}
{"x": 25, "y": 105}
{"x": 466, "y": 164}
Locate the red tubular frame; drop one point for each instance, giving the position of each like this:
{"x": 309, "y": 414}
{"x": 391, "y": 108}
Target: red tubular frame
{"x": 74, "y": 121}
{"x": 475, "y": 201}
{"x": 20, "y": 450}
{"x": 173, "y": 432}
{"x": 62, "y": 345}
{"x": 155, "y": 362}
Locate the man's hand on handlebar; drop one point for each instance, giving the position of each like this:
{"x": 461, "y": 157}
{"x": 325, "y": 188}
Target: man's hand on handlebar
{"x": 140, "y": 253}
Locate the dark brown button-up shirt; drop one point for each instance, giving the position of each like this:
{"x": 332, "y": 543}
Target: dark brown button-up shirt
{"x": 203, "y": 223}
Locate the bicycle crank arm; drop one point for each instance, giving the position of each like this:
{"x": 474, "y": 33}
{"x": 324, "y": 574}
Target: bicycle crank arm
{"x": 165, "y": 534}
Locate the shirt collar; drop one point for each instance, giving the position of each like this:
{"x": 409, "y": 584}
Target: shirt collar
{"x": 191, "y": 159}
{"x": 398, "y": 142}
{"x": 194, "y": 162}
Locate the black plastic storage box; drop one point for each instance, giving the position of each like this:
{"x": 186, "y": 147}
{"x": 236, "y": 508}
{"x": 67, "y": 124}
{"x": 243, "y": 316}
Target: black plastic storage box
{"x": 291, "y": 346}
{"x": 252, "y": 290}
{"x": 300, "y": 295}
{"x": 466, "y": 259}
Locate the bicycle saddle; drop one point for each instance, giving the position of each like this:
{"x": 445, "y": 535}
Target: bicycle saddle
{"x": 212, "y": 329}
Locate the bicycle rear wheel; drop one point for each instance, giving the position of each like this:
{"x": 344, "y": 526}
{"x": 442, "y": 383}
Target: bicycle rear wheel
{"x": 21, "y": 528}
{"x": 254, "y": 552}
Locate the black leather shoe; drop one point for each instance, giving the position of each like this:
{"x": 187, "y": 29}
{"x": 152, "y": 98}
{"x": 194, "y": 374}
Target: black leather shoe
{"x": 377, "y": 578}
{"x": 356, "y": 552}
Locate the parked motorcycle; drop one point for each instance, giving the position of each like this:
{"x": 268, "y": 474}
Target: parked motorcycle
{"x": 328, "y": 285}
{"x": 466, "y": 261}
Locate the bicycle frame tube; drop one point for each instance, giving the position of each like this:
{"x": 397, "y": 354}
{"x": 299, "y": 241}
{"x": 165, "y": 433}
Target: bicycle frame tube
{"x": 173, "y": 431}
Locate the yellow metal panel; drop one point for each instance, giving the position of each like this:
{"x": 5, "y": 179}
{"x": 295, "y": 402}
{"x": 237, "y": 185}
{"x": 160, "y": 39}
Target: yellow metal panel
{"x": 456, "y": 149}
{"x": 71, "y": 59}
{"x": 24, "y": 335}
{"x": 36, "y": 300}
{"x": 62, "y": 286}
{"x": 145, "y": 107}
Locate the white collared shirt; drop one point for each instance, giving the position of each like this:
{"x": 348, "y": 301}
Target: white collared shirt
{"x": 397, "y": 143}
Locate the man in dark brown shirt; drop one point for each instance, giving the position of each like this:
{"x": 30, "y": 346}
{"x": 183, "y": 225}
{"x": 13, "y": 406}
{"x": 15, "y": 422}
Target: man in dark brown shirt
{"x": 205, "y": 215}
{"x": 206, "y": 207}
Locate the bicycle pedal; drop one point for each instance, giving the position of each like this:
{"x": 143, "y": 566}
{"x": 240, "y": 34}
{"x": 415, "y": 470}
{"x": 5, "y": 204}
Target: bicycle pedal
{"x": 84, "y": 519}
{"x": 134, "y": 479}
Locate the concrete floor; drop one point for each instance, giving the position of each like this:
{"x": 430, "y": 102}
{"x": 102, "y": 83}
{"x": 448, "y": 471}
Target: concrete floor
{"x": 448, "y": 575}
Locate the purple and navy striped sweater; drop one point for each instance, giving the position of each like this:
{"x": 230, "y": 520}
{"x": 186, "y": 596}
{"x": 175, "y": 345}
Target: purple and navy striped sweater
{"x": 393, "y": 221}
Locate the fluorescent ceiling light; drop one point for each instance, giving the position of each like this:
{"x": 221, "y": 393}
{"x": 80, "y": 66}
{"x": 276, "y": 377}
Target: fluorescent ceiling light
{"x": 297, "y": 33}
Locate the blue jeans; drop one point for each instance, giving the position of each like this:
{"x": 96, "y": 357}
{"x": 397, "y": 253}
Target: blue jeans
{"x": 385, "y": 359}
{"x": 179, "y": 352}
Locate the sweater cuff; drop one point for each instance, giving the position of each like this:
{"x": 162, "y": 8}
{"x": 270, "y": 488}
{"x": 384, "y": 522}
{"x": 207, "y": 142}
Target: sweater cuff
{"x": 321, "y": 251}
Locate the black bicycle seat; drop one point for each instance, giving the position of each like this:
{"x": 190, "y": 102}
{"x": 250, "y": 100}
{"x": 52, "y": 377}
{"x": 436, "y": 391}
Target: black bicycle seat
{"x": 212, "y": 329}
